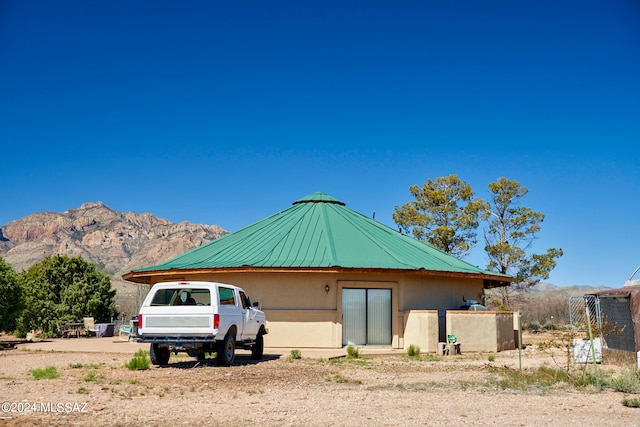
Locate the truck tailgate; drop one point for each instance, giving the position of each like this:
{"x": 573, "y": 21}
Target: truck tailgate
{"x": 192, "y": 320}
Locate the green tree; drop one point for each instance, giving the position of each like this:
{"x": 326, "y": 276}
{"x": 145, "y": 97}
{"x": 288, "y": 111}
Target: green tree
{"x": 10, "y": 297}
{"x": 60, "y": 289}
{"x": 512, "y": 229}
{"x": 444, "y": 215}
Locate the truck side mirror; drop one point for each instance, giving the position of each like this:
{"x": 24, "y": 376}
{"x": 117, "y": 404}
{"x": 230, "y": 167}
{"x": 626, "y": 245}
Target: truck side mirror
{"x": 256, "y": 305}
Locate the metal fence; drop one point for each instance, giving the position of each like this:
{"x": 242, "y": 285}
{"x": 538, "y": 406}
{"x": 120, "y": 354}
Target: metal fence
{"x": 610, "y": 318}
{"x": 582, "y": 308}
{"x": 618, "y": 323}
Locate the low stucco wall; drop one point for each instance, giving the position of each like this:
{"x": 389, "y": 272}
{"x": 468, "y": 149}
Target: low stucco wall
{"x": 286, "y": 329}
{"x": 482, "y": 331}
{"x": 421, "y": 329}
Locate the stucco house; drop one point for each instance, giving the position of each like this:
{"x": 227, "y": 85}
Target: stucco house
{"x": 328, "y": 276}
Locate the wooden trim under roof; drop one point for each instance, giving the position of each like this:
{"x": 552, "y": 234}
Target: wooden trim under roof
{"x": 151, "y": 277}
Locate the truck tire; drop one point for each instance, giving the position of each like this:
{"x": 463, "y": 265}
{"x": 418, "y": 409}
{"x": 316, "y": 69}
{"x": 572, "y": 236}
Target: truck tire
{"x": 226, "y": 350}
{"x": 159, "y": 355}
{"x": 258, "y": 348}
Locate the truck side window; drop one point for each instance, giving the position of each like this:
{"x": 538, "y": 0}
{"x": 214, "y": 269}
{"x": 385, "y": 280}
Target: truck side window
{"x": 201, "y": 296}
{"x": 227, "y": 296}
{"x": 246, "y": 303}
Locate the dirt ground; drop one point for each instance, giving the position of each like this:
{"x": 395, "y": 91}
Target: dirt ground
{"x": 382, "y": 388}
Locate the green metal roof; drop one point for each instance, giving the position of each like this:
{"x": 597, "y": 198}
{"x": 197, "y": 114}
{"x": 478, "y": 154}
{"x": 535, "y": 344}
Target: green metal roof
{"x": 318, "y": 231}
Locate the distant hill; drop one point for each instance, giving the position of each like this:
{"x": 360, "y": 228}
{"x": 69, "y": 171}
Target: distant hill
{"x": 117, "y": 242}
{"x": 549, "y": 289}
{"x": 544, "y": 303}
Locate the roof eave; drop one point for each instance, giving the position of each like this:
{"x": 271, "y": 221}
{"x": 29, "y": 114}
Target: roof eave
{"x": 152, "y": 276}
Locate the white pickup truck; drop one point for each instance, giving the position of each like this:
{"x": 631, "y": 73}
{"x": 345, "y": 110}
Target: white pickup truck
{"x": 199, "y": 318}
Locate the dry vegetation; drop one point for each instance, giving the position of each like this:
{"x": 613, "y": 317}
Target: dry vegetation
{"x": 392, "y": 389}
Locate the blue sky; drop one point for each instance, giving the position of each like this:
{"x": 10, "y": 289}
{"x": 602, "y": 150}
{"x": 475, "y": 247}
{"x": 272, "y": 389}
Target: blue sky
{"x": 226, "y": 112}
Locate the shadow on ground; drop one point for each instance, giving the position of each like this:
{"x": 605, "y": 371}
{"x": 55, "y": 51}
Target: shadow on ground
{"x": 240, "y": 360}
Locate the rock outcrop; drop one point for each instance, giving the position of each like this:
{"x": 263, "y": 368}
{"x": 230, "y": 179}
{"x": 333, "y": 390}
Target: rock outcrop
{"x": 117, "y": 242}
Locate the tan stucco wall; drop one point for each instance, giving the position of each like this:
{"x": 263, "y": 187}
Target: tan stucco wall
{"x": 482, "y": 331}
{"x": 507, "y": 334}
{"x": 421, "y": 329}
{"x": 301, "y": 313}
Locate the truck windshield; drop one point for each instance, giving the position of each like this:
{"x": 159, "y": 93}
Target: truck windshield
{"x": 181, "y": 296}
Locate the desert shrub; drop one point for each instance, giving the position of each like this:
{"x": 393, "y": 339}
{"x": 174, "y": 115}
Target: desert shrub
{"x": 532, "y": 326}
{"x": 413, "y": 351}
{"x": 491, "y": 358}
{"x": 627, "y": 382}
{"x": 546, "y": 377}
{"x": 139, "y": 362}
{"x": 294, "y": 355}
{"x": 631, "y": 402}
{"x": 353, "y": 352}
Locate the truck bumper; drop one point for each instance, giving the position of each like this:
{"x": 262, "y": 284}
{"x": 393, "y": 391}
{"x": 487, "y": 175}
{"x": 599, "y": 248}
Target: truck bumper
{"x": 177, "y": 340}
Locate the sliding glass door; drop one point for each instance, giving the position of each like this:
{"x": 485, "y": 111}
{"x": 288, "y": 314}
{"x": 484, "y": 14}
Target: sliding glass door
{"x": 366, "y": 316}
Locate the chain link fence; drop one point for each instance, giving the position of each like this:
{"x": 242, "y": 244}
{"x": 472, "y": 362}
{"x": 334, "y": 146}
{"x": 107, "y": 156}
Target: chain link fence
{"x": 582, "y": 308}
{"x": 610, "y": 318}
{"x": 618, "y": 325}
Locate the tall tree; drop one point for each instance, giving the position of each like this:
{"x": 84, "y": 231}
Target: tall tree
{"x": 60, "y": 289}
{"x": 444, "y": 215}
{"x": 512, "y": 229}
{"x": 10, "y": 297}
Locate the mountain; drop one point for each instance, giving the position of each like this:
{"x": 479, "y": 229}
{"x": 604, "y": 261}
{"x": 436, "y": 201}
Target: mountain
{"x": 547, "y": 289}
{"x": 117, "y": 242}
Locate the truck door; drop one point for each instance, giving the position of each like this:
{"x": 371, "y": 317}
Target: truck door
{"x": 248, "y": 314}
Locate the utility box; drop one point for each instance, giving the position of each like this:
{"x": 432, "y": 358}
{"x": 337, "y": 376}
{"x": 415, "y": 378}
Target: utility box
{"x": 582, "y": 350}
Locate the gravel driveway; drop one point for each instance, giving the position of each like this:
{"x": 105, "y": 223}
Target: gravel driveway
{"x": 95, "y": 389}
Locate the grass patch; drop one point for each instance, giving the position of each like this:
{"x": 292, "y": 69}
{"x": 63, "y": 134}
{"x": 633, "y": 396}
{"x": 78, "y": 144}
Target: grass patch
{"x": 631, "y": 402}
{"x": 428, "y": 386}
{"x": 92, "y": 376}
{"x": 347, "y": 361}
{"x": 294, "y": 355}
{"x": 341, "y": 379}
{"x": 627, "y": 382}
{"x": 47, "y": 373}
{"x": 545, "y": 378}
{"x": 88, "y": 365}
{"x": 140, "y": 361}
{"x": 432, "y": 358}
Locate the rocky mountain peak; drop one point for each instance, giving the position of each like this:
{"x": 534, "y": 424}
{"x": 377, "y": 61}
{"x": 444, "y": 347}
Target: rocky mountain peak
{"x": 90, "y": 205}
{"x": 117, "y": 242}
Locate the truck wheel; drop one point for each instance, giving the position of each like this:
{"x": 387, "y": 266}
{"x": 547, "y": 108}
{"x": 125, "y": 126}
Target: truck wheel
{"x": 258, "y": 348}
{"x": 226, "y": 350}
{"x": 159, "y": 355}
